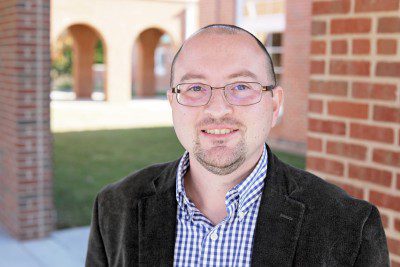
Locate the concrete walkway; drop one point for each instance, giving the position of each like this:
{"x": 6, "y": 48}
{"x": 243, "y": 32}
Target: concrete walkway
{"x": 98, "y": 115}
{"x": 62, "y": 248}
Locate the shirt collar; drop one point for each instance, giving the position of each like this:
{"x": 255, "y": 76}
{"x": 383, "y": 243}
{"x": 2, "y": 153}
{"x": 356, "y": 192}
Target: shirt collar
{"x": 240, "y": 197}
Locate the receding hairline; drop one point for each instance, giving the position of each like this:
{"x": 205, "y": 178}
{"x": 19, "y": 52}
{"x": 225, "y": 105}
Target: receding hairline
{"x": 228, "y": 29}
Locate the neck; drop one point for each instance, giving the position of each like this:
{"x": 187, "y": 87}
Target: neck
{"x": 208, "y": 190}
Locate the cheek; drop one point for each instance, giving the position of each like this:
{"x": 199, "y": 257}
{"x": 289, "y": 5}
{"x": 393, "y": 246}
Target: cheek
{"x": 184, "y": 125}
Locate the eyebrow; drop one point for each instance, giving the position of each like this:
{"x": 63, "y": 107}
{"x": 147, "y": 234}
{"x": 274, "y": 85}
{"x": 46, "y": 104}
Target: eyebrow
{"x": 243, "y": 73}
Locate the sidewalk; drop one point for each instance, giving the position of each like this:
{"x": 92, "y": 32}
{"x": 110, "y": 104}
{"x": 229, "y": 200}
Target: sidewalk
{"x": 98, "y": 115}
{"x": 62, "y": 248}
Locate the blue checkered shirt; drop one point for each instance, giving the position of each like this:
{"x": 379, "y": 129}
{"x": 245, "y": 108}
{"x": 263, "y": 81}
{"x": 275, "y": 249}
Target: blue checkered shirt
{"x": 199, "y": 242}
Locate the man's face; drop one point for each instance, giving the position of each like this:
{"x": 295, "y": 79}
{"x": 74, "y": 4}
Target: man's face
{"x": 216, "y": 60}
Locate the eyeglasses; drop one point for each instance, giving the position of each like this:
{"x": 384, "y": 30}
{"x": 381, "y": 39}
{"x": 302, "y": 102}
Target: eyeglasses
{"x": 238, "y": 93}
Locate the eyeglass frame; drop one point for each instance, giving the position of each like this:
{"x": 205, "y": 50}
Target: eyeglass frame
{"x": 264, "y": 88}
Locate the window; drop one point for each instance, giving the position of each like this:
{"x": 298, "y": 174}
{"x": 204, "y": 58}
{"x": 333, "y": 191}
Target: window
{"x": 273, "y": 43}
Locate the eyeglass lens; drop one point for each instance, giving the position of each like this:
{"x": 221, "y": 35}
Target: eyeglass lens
{"x": 240, "y": 93}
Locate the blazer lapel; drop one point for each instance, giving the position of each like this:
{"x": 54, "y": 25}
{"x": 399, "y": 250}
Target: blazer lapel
{"x": 157, "y": 222}
{"x": 279, "y": 220}
{"x": 277, "y": 231}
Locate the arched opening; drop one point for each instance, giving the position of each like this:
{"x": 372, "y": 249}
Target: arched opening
{"x": 79, "y": 65}
{"x": 151, "y": 60}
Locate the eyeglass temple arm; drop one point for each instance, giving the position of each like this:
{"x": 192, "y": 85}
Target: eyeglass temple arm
{"x": 269, "y": 88}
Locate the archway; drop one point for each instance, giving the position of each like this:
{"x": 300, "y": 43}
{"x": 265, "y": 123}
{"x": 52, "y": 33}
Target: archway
{"x": 151, "y": 60}
{"x": 78, "y": 63}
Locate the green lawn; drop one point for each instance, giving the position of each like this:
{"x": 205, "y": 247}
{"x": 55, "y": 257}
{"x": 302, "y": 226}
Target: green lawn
{"x": 84, "y": 162}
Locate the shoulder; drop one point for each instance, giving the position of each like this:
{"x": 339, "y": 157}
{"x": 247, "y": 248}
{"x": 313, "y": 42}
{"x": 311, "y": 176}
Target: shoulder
{"x": 138, "y": 184}
{"x": 321, "y": 196}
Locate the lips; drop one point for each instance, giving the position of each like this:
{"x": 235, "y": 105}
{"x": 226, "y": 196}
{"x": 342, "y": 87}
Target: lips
{"x": 221, "y": 131}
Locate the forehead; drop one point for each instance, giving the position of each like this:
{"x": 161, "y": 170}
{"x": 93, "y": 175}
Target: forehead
{"x": 212, "y": 54}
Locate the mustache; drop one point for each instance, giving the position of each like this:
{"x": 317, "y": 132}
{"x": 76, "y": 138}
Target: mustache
{"x": 214, "y": 121}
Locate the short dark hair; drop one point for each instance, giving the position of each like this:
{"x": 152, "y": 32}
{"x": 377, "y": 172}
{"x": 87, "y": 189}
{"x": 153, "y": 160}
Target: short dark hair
{"x": 229, "y": 29}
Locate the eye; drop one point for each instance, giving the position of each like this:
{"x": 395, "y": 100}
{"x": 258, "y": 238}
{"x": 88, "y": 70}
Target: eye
{"x": 241, "y": 87}
{"x": 195, "y": 88}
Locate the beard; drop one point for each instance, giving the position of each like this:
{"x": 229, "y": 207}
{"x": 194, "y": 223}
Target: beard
{"x": 219, "y": 159}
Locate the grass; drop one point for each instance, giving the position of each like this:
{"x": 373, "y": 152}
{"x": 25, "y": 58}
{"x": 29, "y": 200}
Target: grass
{"x": 84, "y": 162}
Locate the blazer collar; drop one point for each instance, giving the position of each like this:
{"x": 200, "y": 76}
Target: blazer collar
{"x": 279, "y": 218}
{"x": 277, "y": 229}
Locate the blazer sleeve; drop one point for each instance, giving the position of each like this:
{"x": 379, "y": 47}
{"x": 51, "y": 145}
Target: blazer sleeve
{"x": 96, "y": 253}
{"x": 373, "y": 249}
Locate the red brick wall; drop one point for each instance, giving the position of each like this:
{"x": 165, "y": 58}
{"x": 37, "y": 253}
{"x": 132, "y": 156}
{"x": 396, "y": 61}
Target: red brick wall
{"x": 354, "y": 103}
{"x": 26, "y": 206}
{"x": 291, "y": 133}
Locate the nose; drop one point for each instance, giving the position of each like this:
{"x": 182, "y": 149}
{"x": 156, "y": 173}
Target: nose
{"x": 218, "y": 107}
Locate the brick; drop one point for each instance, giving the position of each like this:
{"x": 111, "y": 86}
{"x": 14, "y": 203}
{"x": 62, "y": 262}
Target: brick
{"x": 314, "y": 144}
{"x": 398, "y": 181}
{"x": 388, "y": 114}
{"x": 389, "y": 25}
{"x": 343, "y": 67}
{"x": 394, "y": 263}
{"x": 370, "y": 132}
{"x": 338, "y": 88}
{"x": 325, "y": 165}
{"x": 327, "y": 126}
{"x": 387, "y": 157}
{"x": 318, "y": 47}
{"x": 331, "y": 7}
{"x": 317, "y": 67}
{"x": 315, "y": 106}
{"x": 388, "y": 69}
{"x": 350, "y": 189}
{"x": 385, "y": 221}
{"x": 387, "y": 46}
{"x": 361, "y": 46}
{"x": 348, "y": 109}
{"x": 371, "y": 175}
{"x": 393, "y": 245}
{"x": 374, "y": 91}
{"x": 397, "y": 225}
{"x": 318, "y": 27}
{"x": 376, "y": 5}
{"x": 350, "y": 25}
{"x": 346, "y": 150}
{"x": 339, "y": 47}
{"x": 385, "y": 200}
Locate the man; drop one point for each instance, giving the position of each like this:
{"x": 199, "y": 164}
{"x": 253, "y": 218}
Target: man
{"x": 229, "y": 201}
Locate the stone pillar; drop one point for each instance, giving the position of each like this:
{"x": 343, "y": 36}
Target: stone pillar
{"x": 26, "y": 200}
{"x": 354, "y": 104}
{"x": 85, "y": 40}
{"x": 119, "y": 65}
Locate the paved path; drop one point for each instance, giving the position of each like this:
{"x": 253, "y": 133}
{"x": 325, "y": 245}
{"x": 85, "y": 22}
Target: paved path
{"x": 99, "y": 115}
{"x": 62, "y": 248}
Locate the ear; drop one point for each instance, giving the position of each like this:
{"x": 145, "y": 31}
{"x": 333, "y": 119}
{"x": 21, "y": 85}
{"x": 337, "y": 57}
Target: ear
{"x": 277, "y": 103}
{"x": 170, "y": 96}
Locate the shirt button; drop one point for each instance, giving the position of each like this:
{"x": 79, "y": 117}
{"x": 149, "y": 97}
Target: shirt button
{"x": 241, "y": 214}
{"x": 214, "y": 236}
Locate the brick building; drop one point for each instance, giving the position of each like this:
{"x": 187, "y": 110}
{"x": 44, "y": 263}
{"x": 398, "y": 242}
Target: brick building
{"x": 26, "y": 200}
{"x": 354, "y": 103}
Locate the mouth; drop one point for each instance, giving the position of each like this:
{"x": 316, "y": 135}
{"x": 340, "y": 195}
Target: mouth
{"x": 225, "y": 132}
